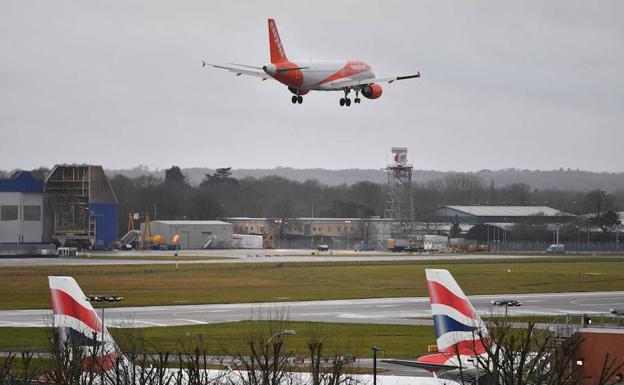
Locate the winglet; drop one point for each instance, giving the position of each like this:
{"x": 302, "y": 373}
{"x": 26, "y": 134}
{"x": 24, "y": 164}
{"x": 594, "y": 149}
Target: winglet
{"x": 203, "y": 63}
{"x": 275, "y": 44}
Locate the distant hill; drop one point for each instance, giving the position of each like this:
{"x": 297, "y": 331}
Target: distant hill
{"x": 570, "y": 180}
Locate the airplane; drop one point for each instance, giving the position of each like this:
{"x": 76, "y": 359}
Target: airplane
{"x": 460, "y": 331}
{"x": 301, "y": 77}
{"x": 75, "y": 318}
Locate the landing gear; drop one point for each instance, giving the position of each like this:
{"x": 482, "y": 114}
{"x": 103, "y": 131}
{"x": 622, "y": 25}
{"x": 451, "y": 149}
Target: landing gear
{"x": 297, "y": 99}
{"x": 357, "y": 99}
{"x": 346, "y": 101}
{"x": 300, "y": 99}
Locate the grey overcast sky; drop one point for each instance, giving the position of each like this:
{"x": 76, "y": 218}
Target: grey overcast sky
{"x": 527, "y": 84}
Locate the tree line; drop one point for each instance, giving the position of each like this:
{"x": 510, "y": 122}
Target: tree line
{"x": 221, "y": 195}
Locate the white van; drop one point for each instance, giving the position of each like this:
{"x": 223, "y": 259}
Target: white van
{"x": 557, "y": 248}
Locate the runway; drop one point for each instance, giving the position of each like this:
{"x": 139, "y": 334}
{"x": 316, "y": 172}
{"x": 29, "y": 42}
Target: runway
{"x": 402, "y": 311}
{"x": 247, "y": 256}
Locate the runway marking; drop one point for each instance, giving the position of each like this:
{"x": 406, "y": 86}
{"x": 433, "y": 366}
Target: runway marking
{"x": 388, "y": 305}
{"x": 150, "y": 323}
{"x": 192, "y": 321}
{"x": 23, "y": 324}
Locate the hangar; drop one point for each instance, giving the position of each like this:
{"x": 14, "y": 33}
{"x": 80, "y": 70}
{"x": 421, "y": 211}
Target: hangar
{"x": 81, "y": 208}
{"x": 502, "y": 214}
{"x": 21, "y": 202}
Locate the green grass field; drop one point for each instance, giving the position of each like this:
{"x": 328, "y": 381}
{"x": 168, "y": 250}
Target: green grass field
{"x": 229, "y": 338}
{"x": 27, "y": 288}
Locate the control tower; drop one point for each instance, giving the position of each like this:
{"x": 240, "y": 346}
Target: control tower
{"x": 399, "y": 204}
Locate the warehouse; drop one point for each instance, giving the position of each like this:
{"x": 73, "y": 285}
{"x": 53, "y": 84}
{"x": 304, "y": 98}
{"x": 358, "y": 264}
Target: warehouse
{"x": 194, "y": 234}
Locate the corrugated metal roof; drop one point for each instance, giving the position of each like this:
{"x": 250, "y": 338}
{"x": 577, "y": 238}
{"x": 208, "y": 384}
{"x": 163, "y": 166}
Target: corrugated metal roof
{"x": 22, "y": 182}
{"x": 189, "y": 222}
{"x": 510, "y": 211}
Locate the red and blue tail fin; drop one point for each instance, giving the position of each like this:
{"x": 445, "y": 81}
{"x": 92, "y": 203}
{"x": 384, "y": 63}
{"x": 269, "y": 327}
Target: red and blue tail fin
{"x": 76, "y": 319}
{"x": 459, "y": 329}
{"x": 275, "y": 44}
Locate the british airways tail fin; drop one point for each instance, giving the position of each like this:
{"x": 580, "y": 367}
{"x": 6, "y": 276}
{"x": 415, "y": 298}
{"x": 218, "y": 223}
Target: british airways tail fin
{"x": 459, "y": 329}
{"x": 78, "y": 321}
{"x": 275, "y": 44}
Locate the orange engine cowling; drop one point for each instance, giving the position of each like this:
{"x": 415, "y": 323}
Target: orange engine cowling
{"x": 372, "y": 91}
{"x": 298, "y": 91}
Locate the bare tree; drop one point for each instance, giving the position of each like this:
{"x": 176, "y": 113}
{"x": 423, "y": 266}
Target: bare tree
{"x": 532, "y": 356}
{"x": 265, "y": 359}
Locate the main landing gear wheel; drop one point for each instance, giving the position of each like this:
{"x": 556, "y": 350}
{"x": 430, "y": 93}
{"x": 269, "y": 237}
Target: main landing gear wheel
{"x": 294, "y": 99}
{"x": 300, "y": 99}
{"x": 357, "y": 100}
{"x": 345, "y": 102}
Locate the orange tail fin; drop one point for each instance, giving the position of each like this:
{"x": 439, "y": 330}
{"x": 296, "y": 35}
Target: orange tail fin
{"x": 275, "y": 44}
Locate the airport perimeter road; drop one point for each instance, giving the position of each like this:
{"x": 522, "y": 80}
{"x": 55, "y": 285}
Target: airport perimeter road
{"x": 406, "y": 311}
{"x": 241, "y": 256}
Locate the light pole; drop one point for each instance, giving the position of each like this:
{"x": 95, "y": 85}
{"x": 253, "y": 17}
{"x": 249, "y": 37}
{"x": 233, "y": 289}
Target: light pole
{"x": 101, "y": 299}
{"x": 279, "y": 229}
{"x": 348, "y": 223}
{"x": 475, "y": 362}
{"x": 375, "y": 350}
{"x": 286, "y": 332}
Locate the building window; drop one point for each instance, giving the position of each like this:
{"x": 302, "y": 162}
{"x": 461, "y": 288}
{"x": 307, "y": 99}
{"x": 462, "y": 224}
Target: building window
{"x": 32, "y": 213}
{"x": 8, "y": 213}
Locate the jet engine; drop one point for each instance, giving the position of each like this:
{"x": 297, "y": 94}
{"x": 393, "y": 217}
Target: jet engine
{"x": 372, "y": 91}
{"x": 298, "y": 91}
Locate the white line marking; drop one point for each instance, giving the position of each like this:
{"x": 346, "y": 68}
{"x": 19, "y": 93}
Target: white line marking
{"x": 192, "y": 321}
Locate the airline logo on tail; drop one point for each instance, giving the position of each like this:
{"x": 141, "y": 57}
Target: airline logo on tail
{"x": 275, "y": 44}
{"x": 459, "y": 329}
{"x": 78, "y": 321}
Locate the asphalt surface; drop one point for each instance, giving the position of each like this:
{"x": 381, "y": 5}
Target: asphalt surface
{"x": 400, "y": 311}
{"x": 242, "y": 256}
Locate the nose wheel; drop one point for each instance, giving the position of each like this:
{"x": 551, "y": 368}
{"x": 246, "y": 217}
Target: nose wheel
{"x": 297, "y": 99}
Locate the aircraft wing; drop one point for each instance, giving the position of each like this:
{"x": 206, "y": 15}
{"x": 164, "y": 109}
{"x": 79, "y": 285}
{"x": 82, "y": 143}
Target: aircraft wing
{"x": 340, "y": 84}
{"x": 240, "y": 71}
{"x": 422, "y": 365}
